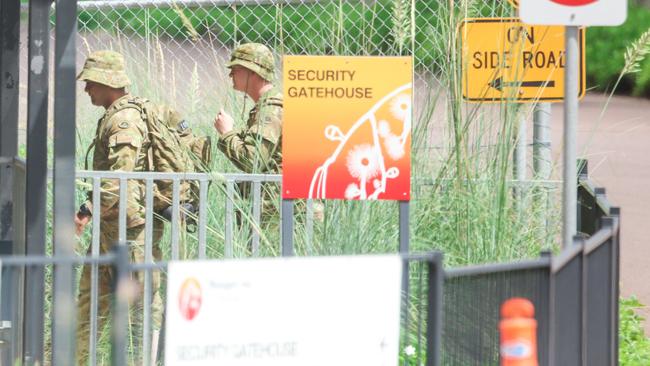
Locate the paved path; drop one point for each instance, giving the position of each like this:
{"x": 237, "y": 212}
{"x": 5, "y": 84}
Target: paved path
{"x": 618, "y": 149}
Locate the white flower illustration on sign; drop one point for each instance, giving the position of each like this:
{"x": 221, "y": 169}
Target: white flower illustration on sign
{"x": 394, "y": 144}
{"x": 365, "y": 162}
{"x": 394, "y": 147}
{"x": 352, "y": 191}
{"x": 401, "y": 107}
{"x": 383, "y": 129}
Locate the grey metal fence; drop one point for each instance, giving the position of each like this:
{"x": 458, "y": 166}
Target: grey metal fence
{"x": 472, "y": 302}
{"x": 11, "y": 312}
{"x": 575, "y": 295}
{"x": 224, "y": 194}
{"x": 230, "y": 203}
{"x": 423, "y": 333}
{"x": 224, "y": 202}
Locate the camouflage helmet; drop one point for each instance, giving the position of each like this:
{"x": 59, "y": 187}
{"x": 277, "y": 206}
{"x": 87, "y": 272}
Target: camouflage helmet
{"x": 105, "y": 67}
{"x": 255, "y": 57}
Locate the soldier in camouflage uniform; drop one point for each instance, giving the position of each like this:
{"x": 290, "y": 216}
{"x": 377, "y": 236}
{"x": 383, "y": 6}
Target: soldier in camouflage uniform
{"x": 256, "y": 148}
{"x": 121, "y": 144}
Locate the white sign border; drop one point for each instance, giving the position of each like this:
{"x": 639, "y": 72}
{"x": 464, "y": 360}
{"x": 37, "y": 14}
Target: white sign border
{"x": 245, "y": 280}
{"x": 546, "y": 12}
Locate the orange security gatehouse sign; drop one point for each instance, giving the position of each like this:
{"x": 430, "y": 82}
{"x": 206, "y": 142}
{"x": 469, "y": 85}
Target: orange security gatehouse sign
{"x": 347, "y": 125}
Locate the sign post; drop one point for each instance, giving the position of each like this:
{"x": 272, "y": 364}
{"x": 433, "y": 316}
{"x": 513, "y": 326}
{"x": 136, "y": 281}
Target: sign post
{"x": 572, "y": 14}
{"x": 570, "y": 172}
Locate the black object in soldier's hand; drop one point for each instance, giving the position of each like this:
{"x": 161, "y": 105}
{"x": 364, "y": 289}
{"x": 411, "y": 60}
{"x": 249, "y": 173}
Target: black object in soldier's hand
{"x": 84, "y": 211}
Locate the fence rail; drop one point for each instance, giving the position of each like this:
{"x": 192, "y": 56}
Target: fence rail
{"x": 203, "y": 180}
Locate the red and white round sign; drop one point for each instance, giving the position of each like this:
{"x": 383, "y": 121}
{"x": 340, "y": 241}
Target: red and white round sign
{"x": 574, "y": 2}
{"x": 190, "y": 298}
{"x": 573, "y": 12}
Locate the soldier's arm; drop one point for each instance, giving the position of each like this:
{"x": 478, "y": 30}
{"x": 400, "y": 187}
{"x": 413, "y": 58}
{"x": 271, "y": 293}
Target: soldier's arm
{"x": 252, "y": 150}
{"x": 124, "y": 140}
{"x": 249, "y": 151}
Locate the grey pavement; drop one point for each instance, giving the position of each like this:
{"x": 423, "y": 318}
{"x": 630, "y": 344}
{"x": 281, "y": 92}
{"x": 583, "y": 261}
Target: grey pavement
{"x": 618, "y": 149}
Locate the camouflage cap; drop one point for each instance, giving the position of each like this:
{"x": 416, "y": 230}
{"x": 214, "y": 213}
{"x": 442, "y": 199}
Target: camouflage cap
{"x": 255, "y": 57}
{"x": 105, "y": 67}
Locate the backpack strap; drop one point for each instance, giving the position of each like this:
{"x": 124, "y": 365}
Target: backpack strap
{"x": 90, "y": 148}
{"x": 145, "y": 113}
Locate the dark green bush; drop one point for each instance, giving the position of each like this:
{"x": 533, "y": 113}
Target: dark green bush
{"x": 333, "y": 28}
{"x": 606, "y": 50}
{"x": 359, "y": 28}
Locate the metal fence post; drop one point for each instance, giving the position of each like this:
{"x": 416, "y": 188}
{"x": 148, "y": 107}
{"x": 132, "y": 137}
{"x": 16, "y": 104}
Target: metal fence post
{"x": 600, "y": 289}
{"x": 585, "y": 202}
{"x": 37, "y": 111}
{"x": 17, "y": 287}
{"x": 520, "y": 161}
{"x": 567, "y": 310}
{"x": 5, "y": 342}
{"x": 615, "y": 212}
{"x": 434, "y": 314}
{"x": 404, "y": 250}
{"x": 63, "y": 322}
{"x": 542, "y": 156}
{"x": 119, "y": 328}
{"x": 9, "y": 70}
{"x": 569, "y": 191}
{"x": 6, "y": 248}
{"x": 542, "y": 141}
{"x": 9, "y": 94}
{"x": 286, "y": 218}
{"x": 404, "y": 227}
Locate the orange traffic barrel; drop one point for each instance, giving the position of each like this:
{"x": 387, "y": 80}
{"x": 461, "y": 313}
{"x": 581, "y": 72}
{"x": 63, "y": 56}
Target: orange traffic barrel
{"x": 518, "y": 331}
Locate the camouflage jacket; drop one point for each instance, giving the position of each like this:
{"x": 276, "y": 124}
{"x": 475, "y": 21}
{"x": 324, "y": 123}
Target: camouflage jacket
{"x": 257, "y": 148}
{"x": 121, "y": 144}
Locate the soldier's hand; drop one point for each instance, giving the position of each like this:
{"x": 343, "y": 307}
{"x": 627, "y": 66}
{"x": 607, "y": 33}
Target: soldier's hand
{"x": 223, "y": 122}
{"x": 80, "y": 223}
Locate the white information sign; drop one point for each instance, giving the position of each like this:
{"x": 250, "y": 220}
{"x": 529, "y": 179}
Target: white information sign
{"x": 317, "y": 311}
{"x": 573, "y": 12}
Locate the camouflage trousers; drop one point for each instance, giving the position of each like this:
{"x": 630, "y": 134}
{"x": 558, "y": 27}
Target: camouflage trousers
{"x": 136, "y": 238}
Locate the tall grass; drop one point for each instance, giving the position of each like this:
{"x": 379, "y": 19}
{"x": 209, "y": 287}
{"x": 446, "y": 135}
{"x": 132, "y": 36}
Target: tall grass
{"x": 462, "y": 186}
{"x": 462, "y": 154}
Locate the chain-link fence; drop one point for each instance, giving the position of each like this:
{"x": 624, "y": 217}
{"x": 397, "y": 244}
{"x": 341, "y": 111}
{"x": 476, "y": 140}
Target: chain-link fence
{"x": 176, "y": 53}
{"x": 174, "y": 42}
{"x": 176, "y": 50}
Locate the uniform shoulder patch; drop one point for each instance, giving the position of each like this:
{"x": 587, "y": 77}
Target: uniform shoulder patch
{"x": 124, "y": 124}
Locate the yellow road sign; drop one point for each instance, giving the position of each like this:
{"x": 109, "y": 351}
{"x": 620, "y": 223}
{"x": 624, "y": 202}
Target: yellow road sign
{"x": 504, "y": 59}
